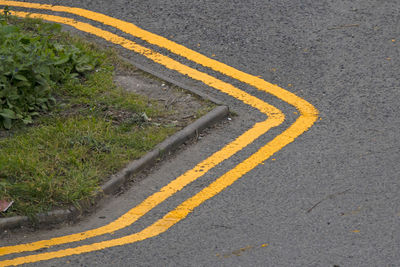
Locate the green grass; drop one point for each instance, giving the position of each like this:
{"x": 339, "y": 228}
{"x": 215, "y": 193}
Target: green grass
{"x": 94, "y": 130}
{"x": 63, "y": 160}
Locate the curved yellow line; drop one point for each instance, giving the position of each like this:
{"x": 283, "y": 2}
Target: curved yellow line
{"x": 275, "y": 118}
{"x": 308, "y": 116}
{"x": 303, "y": 106}
{"x": 182, "y": 210}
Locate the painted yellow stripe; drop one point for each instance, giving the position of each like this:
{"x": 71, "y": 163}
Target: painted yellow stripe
{"x": 303, "y": 106}
{"x": 307, "y": 118}
{"x": 183, "y": 209}
{"x": 275, "y": 117}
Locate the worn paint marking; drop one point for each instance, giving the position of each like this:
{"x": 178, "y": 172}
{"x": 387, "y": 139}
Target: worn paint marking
{"x": 308, "y": 113}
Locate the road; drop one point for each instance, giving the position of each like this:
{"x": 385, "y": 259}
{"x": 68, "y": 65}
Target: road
{"x": 329, "y": 198}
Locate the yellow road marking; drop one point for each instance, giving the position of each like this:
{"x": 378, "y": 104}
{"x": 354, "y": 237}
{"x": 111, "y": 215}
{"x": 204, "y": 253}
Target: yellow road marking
{"x": 303, "y": 106}
{"x": 275, "y": 118}
{"x": 182, "y": 210}
{"x": 307, "y": 118}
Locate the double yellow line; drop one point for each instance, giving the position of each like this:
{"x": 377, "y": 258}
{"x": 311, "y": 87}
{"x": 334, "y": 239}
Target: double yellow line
{"x": 308, "y": 115}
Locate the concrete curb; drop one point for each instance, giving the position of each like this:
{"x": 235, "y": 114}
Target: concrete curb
{"x": 167, "y": 146}
{"x": 120, "y": 178}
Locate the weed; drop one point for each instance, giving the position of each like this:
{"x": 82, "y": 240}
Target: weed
{"x": 33, "y": 64}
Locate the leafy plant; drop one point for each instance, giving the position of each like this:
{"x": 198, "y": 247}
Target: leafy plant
{"x": 33, "y": 63}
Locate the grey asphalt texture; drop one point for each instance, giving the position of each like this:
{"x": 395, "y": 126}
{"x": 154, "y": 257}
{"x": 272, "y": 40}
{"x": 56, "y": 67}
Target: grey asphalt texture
{"x": 331, "y": 198}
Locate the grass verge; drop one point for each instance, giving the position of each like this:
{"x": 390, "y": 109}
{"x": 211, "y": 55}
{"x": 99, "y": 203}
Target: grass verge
{"x": 93, "y": 130}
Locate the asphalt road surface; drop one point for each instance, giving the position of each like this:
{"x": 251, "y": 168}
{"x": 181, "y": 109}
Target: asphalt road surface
{"x": 331, "y": 197}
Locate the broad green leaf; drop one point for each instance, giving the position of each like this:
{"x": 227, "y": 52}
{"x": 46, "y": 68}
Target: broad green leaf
{"x": 61, "y": 61}
{"x": 7, "y": 123}
{"x": 7, "y": 113}
{"x": 21, "y": 77}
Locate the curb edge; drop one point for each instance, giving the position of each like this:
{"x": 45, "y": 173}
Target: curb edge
{"x": 120, "y": 178}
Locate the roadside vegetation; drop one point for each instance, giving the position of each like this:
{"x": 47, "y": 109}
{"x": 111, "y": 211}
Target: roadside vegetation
{"x": 65, "y": 126}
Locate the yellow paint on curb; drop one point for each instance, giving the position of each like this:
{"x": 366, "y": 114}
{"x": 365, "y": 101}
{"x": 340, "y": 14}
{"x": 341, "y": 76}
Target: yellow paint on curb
{"x": 275, "y": 117}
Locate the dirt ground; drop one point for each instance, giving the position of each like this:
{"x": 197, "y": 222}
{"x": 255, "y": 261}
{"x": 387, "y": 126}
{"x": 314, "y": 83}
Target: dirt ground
{"x": 182, "y": 106}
